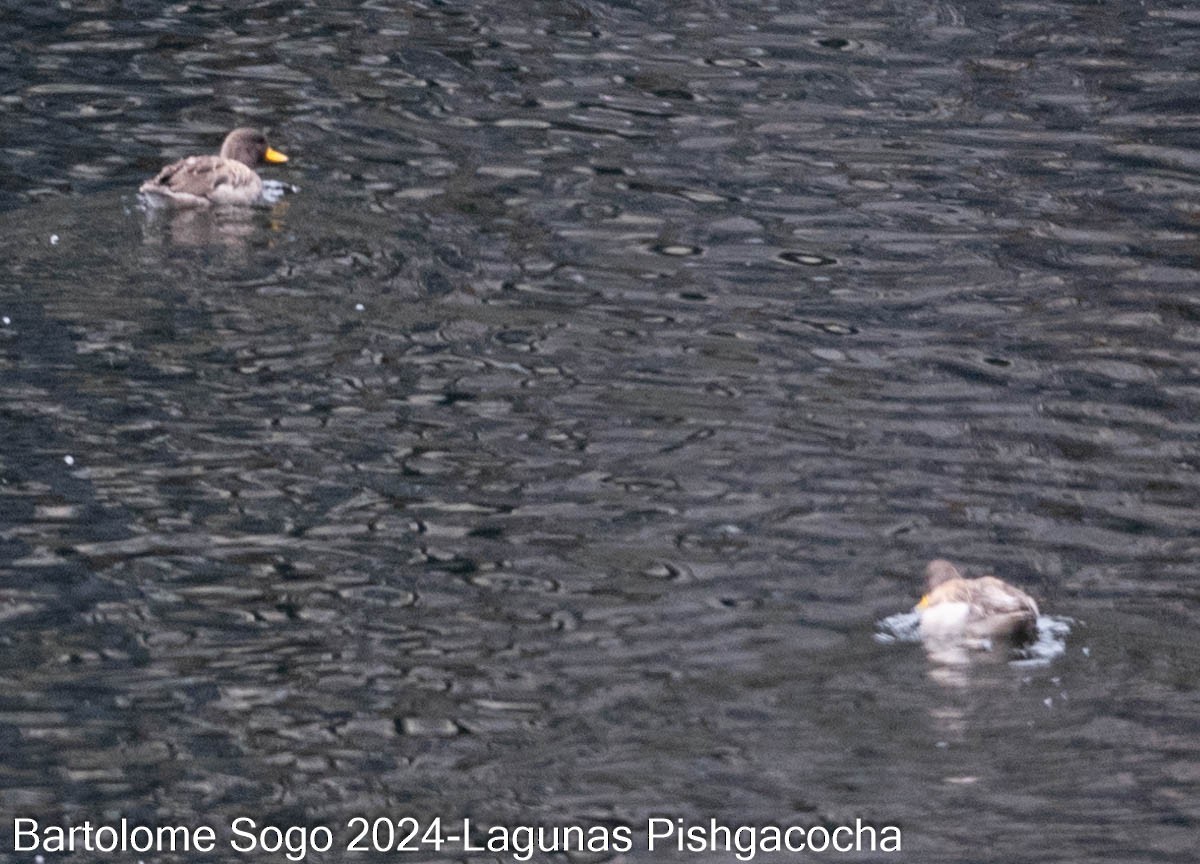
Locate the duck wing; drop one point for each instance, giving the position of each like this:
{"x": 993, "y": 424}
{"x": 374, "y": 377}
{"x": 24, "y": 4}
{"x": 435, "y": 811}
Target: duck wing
{"x": 203, "y": 179}
{"x": 994, "y": 597}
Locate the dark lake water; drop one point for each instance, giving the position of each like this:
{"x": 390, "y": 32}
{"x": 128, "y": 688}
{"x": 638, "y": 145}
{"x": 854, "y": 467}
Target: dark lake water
{"x": 553, "y": 452}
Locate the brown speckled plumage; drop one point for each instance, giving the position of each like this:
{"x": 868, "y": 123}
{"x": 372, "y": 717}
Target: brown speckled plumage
{"x": 983, "y": 608}
{"x": 228, "y": 178}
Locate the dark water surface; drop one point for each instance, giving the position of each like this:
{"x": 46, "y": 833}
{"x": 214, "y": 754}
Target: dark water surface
{"x": 551, "y": 454}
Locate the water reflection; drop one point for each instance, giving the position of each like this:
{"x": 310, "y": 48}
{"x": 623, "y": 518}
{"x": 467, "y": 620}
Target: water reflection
{"x": 948, "y": 656}
{"x": 235, "y": 228}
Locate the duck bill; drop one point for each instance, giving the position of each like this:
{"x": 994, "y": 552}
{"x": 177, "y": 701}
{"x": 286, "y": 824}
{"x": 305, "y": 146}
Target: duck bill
{"x": 273, "y": 155}
{"x": 924, "y": 602}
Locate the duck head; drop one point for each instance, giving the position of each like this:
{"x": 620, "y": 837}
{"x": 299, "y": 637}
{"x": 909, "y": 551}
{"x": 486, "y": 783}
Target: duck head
{"x": 250, "y": 147}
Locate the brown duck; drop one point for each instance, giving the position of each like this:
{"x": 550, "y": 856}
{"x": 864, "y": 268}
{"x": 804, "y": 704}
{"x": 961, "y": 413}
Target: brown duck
{"x": 228, "y": 178}
{"x": 957, "y": 609}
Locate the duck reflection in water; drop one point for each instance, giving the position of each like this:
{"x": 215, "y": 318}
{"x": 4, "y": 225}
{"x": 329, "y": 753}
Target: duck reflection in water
{"x": 235, "y": 228}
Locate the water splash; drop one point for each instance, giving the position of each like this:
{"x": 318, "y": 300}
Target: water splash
{"x": 901, "y": 627}
{"x": 1051, "y": 641}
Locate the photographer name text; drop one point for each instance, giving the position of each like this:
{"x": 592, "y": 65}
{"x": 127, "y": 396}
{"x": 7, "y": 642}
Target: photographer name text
{"x": 408, "y": 834}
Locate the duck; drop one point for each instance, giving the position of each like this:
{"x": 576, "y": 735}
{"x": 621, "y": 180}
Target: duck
{"x": 955, "y": 609}
{"x": 227, "y": 178}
